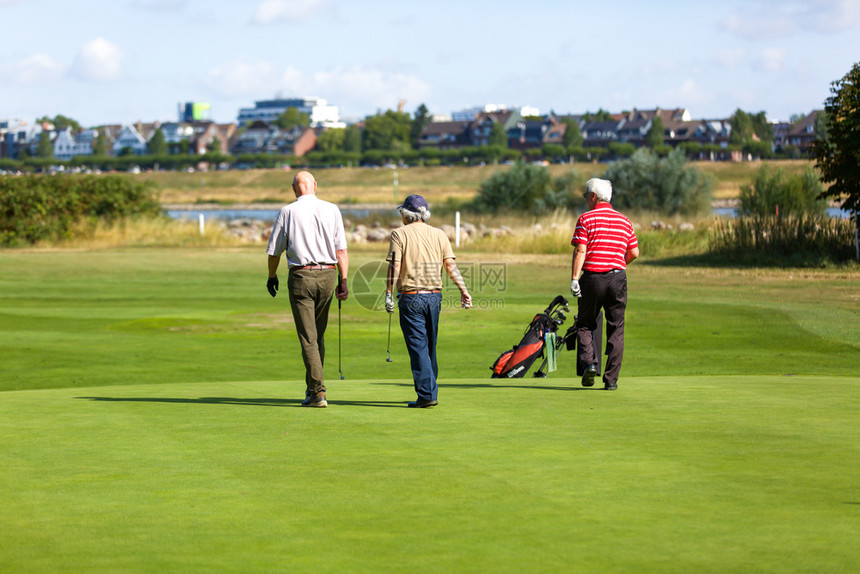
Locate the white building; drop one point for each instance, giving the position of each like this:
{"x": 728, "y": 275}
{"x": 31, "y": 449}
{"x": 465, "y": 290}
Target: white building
{"x": 130, "y": 138}
{"x": 321, "y": 114}
{"x": 67, "y": 146}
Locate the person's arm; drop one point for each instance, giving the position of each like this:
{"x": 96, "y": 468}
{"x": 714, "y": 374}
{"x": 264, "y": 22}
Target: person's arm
{"x": 457, "y": 278}
{"x": 342, "y": 291}
{"x": 274, "y": 261}
{"x": 631, "y": 254}
{"x": 578, "y": 261}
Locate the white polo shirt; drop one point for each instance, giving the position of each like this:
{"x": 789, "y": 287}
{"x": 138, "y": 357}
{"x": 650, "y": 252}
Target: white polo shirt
{"x": 310, "y": 230}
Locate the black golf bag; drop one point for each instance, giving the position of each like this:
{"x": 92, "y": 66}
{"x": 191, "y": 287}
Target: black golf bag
{"x": 515, "y": 363}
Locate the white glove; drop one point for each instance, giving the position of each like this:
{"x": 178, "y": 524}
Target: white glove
{"x": 574, "y": 288}
{"x": 389, "y": 303}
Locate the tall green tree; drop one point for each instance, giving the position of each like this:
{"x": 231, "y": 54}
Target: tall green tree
{"x": 656, "y": 133}
{"x": 837, "y": 155}
{"x": 293, "y": 118}
{"x": 748, "y": 127}
{"x": 572, "y": 134}
{"x": 388, "y": 131}
{"x": 331, "y": 140}
{"x": 157, "y": 145}
{"x": 352, "y": 139}
{"x": 600, "y": 115}
{"x": 100, "y": 148}
{"x": 45, "y": 147}
{"x": 419, "y": 121}
{"x": 498, "y": 137}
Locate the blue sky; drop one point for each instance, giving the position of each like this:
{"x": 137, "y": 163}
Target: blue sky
{"x": 120, "y": 61}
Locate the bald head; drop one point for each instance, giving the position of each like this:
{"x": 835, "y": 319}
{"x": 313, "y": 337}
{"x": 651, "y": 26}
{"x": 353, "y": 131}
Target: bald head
{"x": 304, "y": 184}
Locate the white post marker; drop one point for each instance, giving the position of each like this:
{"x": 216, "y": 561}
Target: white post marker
{"x": 457, "y": 226}
{"x": 200, "y": 219}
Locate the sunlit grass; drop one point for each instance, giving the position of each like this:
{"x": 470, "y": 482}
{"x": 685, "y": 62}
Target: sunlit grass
{"x": 145, "y": 232}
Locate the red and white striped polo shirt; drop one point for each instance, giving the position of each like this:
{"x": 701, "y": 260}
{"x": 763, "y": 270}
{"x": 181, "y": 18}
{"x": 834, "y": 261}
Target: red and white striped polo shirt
{"x": 607, "y": 236}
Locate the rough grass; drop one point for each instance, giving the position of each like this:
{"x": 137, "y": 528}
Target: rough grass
{"x": 368, "y": 185}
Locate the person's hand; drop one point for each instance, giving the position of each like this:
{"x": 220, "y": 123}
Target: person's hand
{"x": 341, "y": 291}
{"x": 389, "y": 302}
{"x": 272, "y": 285}
{"x": 465, "y": 300}
{"x": 575, "y": 290}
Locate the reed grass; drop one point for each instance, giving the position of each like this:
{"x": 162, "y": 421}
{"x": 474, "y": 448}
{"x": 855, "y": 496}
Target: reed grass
{"x": 806, "y": 239}
{"x": 144, "y": 232}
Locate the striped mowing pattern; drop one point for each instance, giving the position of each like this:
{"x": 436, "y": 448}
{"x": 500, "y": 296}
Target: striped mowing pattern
{"x": 607, "y": 236}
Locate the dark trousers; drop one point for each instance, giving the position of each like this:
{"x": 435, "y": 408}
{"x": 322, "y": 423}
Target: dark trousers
{"x": 607, "y": 291}
{"x": 311, "y": 292}
{"x": 419, "y": 321}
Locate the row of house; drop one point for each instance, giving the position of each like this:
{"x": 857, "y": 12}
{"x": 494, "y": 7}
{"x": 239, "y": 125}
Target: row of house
{"x": 524, "y": 132}
{"x": 257, "y": 131}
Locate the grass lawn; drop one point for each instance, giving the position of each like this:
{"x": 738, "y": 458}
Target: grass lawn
{"x": 150, "y": 422}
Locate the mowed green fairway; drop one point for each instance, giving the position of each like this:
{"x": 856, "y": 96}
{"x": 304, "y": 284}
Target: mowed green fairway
{"x": 150, "y": 422}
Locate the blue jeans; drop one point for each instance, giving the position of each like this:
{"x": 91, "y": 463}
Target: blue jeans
{"x": 419, "y": 321}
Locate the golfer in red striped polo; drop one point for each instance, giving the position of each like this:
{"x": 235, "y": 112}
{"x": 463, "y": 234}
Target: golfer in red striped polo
{"x": 604, "y": 243}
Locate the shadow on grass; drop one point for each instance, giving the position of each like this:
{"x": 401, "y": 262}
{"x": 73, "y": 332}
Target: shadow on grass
{"x": 242, "y": 402}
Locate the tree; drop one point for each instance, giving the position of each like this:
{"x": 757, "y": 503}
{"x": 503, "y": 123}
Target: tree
{"x": 419, "y": 121}
{"x": 667, "y": 185}
{"x": 600, "y": 115}
{"x": 352, "y": 139}
{"x": 386, "y": 131}
{"x": 293, "y": 118}
{"x": 331, "y": 140}
{"x": 100, "y": 144}
{"x": 45, "y": 148}
{"x": 61, "y": 122}
{"x": 572, "y": 134}
{"x": 656, "y": 133}
{"x": 837, "y": 155}
{"x": 750, "y": 127}
{"x": 498, "y": 136}
{"x": 157, "y": 145}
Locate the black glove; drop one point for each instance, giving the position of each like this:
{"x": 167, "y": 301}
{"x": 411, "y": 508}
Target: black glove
{"x": 272, "y": 285}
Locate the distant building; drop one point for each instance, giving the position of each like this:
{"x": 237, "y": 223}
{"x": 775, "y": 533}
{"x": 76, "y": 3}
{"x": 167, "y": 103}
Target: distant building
{"x": 68, "y": 145}
{"x": 321, "y": 114}
{"x": 13, "y": 134}
{"x": 195, "y": 112}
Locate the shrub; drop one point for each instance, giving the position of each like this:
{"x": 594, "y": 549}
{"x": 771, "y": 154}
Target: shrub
{"x": 649, "y": 183}
{"x": 772, "y": 191}
{"x": 36, "y": 208}
{"x": 527, "y": 188}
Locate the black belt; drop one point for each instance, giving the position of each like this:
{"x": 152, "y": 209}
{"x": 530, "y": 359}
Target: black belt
{"x": 610, "y": 272}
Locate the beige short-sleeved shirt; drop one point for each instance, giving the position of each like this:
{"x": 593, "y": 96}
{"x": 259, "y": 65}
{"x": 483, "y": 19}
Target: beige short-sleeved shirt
{"x": 421, "y": 251}
{"x": 310, "y": 230}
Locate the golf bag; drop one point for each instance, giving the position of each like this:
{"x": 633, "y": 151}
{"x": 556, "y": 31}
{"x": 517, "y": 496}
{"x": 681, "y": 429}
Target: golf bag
{"x": 515, "y": 363}
{"x": 569, "y": 341}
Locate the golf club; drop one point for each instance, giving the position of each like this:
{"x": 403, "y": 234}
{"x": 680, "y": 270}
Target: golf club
{"x": 339, "y": 341}
{"x": 389, "y": 360}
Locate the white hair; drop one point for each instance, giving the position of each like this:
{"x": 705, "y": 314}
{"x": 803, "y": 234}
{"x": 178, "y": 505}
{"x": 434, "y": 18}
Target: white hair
{"x": 423, "y": 214}
{"x": 602, "y": 188}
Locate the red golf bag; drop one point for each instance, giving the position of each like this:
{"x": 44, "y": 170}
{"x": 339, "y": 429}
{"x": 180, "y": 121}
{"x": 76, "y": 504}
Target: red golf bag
{"x": 515, "y": 363}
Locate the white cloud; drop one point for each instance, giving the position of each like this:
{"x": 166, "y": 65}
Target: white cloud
{"x": 241, "y": 79}
{"x": 771, "y": 59}
{"x": 98, "y": 60}
{"x": 771, "y": 19}
{"x": 35, "y": 69}
{"x": 288, "y": 11}
{"x": 835, "y": 15}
